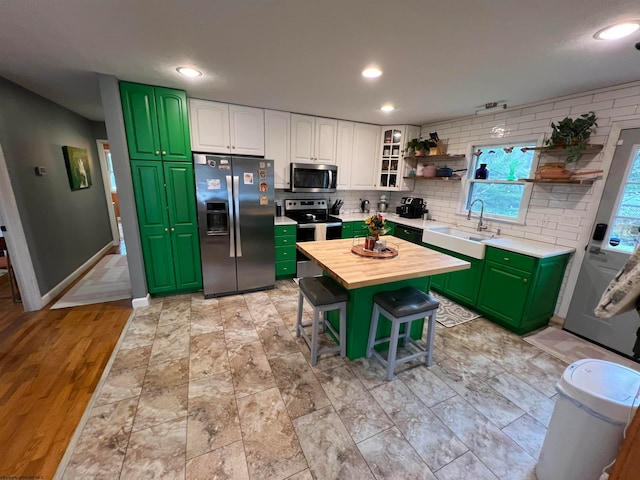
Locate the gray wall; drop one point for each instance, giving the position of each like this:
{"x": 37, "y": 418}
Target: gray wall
{"x": 64, "y": 228}
{"x": 99, "y": 130}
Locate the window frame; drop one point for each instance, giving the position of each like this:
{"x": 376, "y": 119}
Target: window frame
{"x": 468, "y": 180}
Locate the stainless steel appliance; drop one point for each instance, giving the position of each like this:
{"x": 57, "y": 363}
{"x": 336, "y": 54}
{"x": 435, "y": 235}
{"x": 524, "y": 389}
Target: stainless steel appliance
{"x": 364, "y": 205}
{"x": 313, "y": 218}
{"x": 313, "y": 178}
{"x": 235, "y": 219}
{"x": 411, "y": 207}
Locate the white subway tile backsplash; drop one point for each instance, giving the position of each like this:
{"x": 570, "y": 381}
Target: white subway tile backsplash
{"x": 537, "y": 109}
{"x": 571, "y": 102}
{"x": 580, "y": 109}
{"x": 616, "y": 93}
{"x": 554, "y": 113}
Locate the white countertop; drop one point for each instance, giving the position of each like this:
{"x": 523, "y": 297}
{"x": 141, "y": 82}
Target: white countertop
{"x": 512, "y": 244}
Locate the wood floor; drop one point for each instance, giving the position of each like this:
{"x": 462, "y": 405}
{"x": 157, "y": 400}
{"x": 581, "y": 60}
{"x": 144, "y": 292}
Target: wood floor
{"x": 50, "y": 363}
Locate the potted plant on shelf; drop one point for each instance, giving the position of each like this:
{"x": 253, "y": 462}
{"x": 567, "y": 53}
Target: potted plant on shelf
{"x": 419, "y": 147}
{"x": 573, "y": 134}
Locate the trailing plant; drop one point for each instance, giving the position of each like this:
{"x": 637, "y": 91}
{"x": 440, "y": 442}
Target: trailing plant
{"x": 573, "y": 134}
{"x": 416, "y": 144}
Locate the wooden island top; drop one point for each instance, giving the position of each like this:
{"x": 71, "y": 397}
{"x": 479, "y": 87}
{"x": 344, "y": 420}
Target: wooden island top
{"x": 354, "y": 271}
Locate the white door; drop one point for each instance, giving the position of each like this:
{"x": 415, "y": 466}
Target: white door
{"x": 209, "y": 122}
{"x": 277, "y": 127}
{"x": 344, "y": 153}
{"x": 246, "y": 128}
{"x": 302, "y": 135}
{"x": 619, "y": 210}
{"x": 325, "y": 140}
{"x": 365, "y": 156}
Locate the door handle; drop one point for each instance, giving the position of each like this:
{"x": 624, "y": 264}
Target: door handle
{"x": 232, "y": 238}
{"x": 236, "y": 196}
{"x": 596, "y": 250}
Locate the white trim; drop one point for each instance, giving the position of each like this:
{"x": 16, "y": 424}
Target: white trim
{"x": 598, "y": 190}
{"x": 141, "y": 302}
{"x": 55, "y": 291}
{"x": 17, "y": 242}
{"x": 73, "y": 443}
{"x": 106, "y": 181}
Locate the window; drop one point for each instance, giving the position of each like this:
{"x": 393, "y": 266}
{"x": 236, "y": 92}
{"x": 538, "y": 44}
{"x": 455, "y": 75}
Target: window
{"x": 626, "y": 219}
{"x": 504, "y": 197}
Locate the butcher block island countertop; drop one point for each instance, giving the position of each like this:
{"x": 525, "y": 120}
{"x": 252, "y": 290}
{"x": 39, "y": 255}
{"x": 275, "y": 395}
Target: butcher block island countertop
{"x": 354, "y": 271}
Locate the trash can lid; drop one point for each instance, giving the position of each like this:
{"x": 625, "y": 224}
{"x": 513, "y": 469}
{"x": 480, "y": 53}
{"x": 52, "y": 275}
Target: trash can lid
{"x": 605, "y": 387}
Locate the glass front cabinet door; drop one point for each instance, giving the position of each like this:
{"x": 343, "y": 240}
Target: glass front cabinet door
{"x": 394, "y": 171}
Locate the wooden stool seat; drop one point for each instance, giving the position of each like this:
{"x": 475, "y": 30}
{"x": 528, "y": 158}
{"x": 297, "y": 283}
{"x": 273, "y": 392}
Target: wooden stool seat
{"x": 324, "y": 295}
{"x": 402, "y": 307}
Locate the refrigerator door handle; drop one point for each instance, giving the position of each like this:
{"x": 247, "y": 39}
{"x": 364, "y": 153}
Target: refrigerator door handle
{"x": 232, "y": 222}
{"x": 236, "y": 195}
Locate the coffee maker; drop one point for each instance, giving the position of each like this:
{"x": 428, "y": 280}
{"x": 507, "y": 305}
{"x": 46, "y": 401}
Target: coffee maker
{"x": 410, "y": 207}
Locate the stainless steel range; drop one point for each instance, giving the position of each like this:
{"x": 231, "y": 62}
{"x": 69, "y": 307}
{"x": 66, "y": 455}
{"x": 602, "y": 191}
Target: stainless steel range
{"x": 314, "y": 223}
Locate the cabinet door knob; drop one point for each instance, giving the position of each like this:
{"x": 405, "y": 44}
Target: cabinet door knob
{"x": 164, "y": 152}
{"x": 157, "y": 152}
{"x": 228, "y": 146}
{"x": 506, "y": 259}
{"x": 524, "y": 280}
{"x": 166, "y": 229}
{"x": 173, "y": 229}
{"x": 233, "y": 146}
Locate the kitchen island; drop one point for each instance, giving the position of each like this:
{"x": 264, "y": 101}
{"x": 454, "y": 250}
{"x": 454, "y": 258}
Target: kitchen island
{"x": 364, "y": 277}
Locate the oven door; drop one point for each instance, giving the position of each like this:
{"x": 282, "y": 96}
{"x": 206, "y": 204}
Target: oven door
{"x": 306, "y": 232}
{"x": 312, "y": 178}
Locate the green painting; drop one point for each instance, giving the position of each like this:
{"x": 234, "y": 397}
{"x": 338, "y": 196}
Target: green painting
{"x": 77, "y": 161}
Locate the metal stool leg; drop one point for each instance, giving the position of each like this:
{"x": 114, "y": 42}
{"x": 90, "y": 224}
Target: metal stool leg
{"x": 314, "y": 337}
{"x": 393, "y": 348}
{"x": 373, "y": 329}
{"x": 343, "y": 330}
{"x": 430, "y": 336}
{"x": 299, "y": 321}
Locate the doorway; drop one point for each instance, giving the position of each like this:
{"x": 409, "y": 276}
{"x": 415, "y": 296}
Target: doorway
{"x": 614, "y": 237}
{"x": 111, "y": 195}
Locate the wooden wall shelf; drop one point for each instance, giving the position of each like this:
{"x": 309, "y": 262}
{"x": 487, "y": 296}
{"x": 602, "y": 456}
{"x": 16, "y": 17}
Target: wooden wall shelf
{"x": 434, "y": 178}
{"x": 561, "y": 151}
{"x": 436, "y": 157}
{"x": 554, "y": 181}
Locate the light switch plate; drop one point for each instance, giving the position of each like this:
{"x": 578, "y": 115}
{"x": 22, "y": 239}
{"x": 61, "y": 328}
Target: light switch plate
{"x": 40, "y": 171}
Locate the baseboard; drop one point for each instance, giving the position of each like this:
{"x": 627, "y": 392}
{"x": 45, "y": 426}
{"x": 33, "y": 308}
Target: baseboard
{"x": 141, "y": 302}
{"x": 58, "y": 289}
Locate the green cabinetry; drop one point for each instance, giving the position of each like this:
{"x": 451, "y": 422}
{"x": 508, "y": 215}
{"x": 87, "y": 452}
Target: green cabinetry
{"x": 520, "y": 292}
{"x": 360, "y": 229}
{"x": 285, "y": 242}
{"x": 165, "y": 201}
{"x": 156, "y": 122}
{"x": 462, "y": 286}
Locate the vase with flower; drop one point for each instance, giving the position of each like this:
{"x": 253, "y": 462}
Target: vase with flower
{"x": 377, "y": 226}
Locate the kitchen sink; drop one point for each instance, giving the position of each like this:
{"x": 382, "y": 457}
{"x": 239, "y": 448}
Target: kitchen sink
{"x": 457, "y": 240}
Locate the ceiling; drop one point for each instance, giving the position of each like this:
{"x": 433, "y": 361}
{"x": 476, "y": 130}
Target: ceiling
{"x": 440, "y": 59}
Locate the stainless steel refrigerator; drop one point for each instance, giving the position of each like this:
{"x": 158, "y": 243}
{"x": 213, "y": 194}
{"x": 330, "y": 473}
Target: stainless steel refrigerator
{"x": 236, "y": 205}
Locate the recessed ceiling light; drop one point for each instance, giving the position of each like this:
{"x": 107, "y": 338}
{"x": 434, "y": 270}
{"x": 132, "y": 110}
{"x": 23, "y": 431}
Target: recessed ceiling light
{"x": 617, "y": 31}
{"x": 189, "y": 72}
{"x": 371, "y": 72}
{"x": 387, "y": 108}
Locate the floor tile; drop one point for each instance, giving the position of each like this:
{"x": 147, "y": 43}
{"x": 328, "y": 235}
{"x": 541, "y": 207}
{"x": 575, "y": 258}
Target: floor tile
{"x": 157, "y": 452}
{"x": 121, "y": 384}
{"x": 132, "y": 358}
{"x": 208, "y": 355}
{"x": 528, "y": 433}
{"x": 329, "y": 448}
{"x": 390, "y": 456}
{"x": 171, "y": 342}
{"x": 436, "y": 444}
{"x": 270, "y": 442}
{"x": 300, "y": 389}
{"x": 160, "y": 405}
{"x": 213, "y": 415}
{"x": 426, "y": 386}
{"x": 250, "y": 369}
{"x": 227, "y": 463}
{"x": 174, "y": 312}
{"x": 466, "y": 466}
{"x": 141, "y": 331}
{"x": 167, "y": 374}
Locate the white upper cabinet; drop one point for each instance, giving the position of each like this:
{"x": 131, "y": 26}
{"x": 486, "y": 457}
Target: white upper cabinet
{"x": 344, "y": 153}
{"x": 313, "y": 139}
{"x": 392, "y": 168}
{"x": 366, "y": 139}
{"x": 223, "y": 128}
{"x": 277, "y": 142}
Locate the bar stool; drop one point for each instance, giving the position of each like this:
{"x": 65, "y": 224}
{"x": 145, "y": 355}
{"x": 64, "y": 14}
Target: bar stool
{"x": 402, "y": 307}
{"x": 324, "y": 295}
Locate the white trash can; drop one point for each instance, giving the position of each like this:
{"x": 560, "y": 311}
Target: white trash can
{"x": 588, "y": 420}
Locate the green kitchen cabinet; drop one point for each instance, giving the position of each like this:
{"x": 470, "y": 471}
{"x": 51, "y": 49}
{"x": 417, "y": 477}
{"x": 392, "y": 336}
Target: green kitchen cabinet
{"x": 347, "y": 230}
{"x": 165, "y": 204}
{"x": 392, "y": 228}
{"x": 520, "y": 292}
{"x": 156, "y": 122}
{"x": 285, "y": 245}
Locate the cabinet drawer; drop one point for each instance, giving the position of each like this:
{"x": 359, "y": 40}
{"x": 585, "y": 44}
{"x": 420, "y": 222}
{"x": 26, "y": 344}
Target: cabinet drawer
{"x": 281, "y": 230}
{"x": 285, "y": 241}
{"x": 515, "y": 260}
{"x": 286, "y": 268}
{"x": 285, "y": 253}
{"x": 347, "y": 230}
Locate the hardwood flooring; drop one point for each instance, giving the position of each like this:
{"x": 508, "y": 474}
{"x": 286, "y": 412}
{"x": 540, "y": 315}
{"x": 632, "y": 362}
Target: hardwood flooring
{"x": 50, "y": 364}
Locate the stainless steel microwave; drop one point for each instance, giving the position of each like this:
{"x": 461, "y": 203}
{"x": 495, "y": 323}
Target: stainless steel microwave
{"x": 312, "y": 178}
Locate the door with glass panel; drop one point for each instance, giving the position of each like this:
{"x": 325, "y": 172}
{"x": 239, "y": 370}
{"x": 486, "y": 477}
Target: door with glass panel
{"x": 619, "y": 211}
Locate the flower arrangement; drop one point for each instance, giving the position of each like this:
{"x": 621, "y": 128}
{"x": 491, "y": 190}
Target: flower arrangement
{"x": 377, "y": 225}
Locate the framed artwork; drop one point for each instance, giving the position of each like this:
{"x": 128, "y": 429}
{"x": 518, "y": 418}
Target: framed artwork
{"x": 77, "y": 161}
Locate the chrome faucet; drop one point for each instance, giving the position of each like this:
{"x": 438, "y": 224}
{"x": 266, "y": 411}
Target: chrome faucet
{"x": 480, "y": 226}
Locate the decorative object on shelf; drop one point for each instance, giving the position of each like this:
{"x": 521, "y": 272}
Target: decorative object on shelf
{"x": 78, "y": 170}
{"x": 419, "y": 147}
{"x": 429, "y": 171}
{"x": 573, "y": 134}
{"x": 477, "y": 153}
{"x": 556, "y": 171}
{"x": 482, "y": 173}
{"x": 508, "y": 149}
{"x": 448, "y": 172}
{"x": 377, "y": 225}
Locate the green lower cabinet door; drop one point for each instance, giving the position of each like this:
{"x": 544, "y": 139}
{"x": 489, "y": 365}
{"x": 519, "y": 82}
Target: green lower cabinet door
{"x": 439, "y": 281}
{"x": 347, "y": 230}
{"x": 151, "y": 206}
{"x": 173, "y": 124}
{"x": 463, "y": 285}
{"x": 503, "y": 292}
{"x": 183, "y": 219}
{"x": 392, "y": 228}
{"x": 140, "y": 121}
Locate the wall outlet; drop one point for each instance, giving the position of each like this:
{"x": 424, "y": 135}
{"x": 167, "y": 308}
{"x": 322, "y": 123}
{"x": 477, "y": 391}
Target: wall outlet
{"x": 570, "y": 220}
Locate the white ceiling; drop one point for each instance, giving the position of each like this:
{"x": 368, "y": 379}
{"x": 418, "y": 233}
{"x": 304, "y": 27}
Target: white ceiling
{"x": 440, "y": 59}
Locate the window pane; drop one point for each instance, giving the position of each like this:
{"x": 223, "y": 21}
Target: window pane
{"x": 634, "y": 174}
{"x": 626, "y": 220}
{"x": 630, "y": 204}
{"x": 499, "y": 198}
{"x": 626, "y": 230}
{"x": 503, "y": 165}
